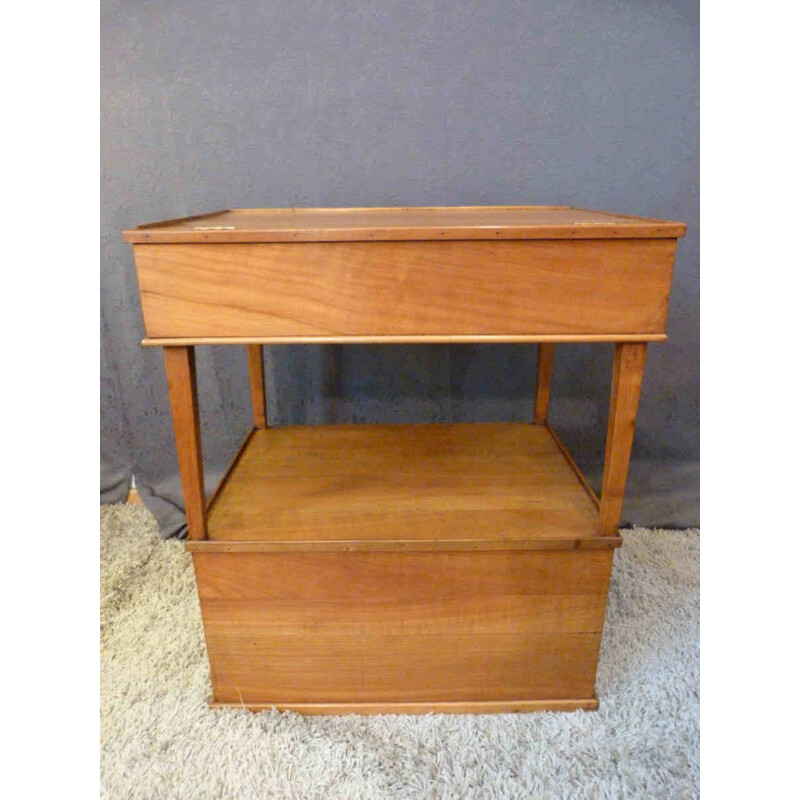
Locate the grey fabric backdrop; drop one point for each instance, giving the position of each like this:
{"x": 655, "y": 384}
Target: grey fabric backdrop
{"x": 294, "y": 103}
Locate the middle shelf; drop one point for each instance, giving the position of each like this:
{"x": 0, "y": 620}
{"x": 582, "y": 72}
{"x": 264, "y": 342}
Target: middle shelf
{"x": 462, "y": 486}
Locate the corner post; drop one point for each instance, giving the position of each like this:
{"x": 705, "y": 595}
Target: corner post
{"x": 626, "y": 385}
{"x": 182, "y": 382}
{"x": 258, "y": 397}
{"x": 544, "y": 372}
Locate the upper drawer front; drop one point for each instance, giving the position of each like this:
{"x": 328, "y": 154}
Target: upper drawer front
{"x": 405, "y": 288}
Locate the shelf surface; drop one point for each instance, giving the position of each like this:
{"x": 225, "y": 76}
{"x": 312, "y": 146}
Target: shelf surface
{"x": 448, "y": 486}
{"x": 398, "y": 224}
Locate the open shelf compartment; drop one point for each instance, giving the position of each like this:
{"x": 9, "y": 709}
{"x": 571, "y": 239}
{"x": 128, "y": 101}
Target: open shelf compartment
{"x": 463, "y": 486}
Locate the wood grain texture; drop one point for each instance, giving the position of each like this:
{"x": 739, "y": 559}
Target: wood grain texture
{"x": 370, "y": 289}
{"x": 179, "y": 363}
{"x": 392, "y": 627}
{"x": 403, "y": 545}
{"x": 626, "y": 385}
{"x": 399, "y": 578}
{"x": 576, "y": 469}
{"x": 211, "y": 341}
{"x": 469, "y": 485}
{"x": 398, "y": 224}
{"x": 258, "y": 397}
{"x": 227, "y": 474}
{"x": 472, "y": 707}
{"x": 544, "y": 374}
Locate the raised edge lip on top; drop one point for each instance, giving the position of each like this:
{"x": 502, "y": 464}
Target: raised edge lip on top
{"x": 619, "y": 227}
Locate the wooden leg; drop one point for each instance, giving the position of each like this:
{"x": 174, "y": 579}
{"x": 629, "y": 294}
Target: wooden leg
{"x": 544, "y": 373}
{"x": 258, "y": 397}
{"x": 626, "y": 385}
{"x": 182, "y": 382}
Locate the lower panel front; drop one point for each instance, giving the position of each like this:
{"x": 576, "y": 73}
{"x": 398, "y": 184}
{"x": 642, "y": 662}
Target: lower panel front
{"x": 403, "y": 627}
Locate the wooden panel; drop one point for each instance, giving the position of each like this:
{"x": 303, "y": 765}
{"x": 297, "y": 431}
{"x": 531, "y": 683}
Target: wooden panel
{"x": 578, "y": 474}
{"x": 405, "y": 288}
{"x": 333, "y": 668}
{"x": 544, "y": 374}
{"x": 258, "y": 397}
{"x": 516, "y": 615}
{"x": 626, "y": 386}
{"x": 231, "y": 467}
{"x": 353, "y": 578}
{"x": 378, "y": 627}
{"x": 375, "y": 224}
{"x": 182, "y": 384}
{"x": 473, "y": 483}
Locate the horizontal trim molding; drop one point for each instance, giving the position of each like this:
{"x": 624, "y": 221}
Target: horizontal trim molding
{"x": 444, "y": 707}
{"x": 405, "y": 339}
{"x": 392, "y": 545}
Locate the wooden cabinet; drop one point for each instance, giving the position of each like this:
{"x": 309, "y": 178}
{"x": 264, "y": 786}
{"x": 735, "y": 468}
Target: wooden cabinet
{"x": 376, "y": 568}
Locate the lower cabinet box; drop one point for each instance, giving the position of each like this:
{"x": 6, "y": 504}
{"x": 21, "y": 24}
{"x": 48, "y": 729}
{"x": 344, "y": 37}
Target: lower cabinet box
{"x": 334, "y": 632}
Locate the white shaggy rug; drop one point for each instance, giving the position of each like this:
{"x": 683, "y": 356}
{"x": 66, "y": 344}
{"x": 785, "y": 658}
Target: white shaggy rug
{"x": 160, "y": 740}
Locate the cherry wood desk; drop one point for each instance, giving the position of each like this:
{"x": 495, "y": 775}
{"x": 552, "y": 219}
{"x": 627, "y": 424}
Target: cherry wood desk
{"x": 404, "y": 568}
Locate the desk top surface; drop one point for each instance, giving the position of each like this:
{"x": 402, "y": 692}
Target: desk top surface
{"x": 402, "y": 224}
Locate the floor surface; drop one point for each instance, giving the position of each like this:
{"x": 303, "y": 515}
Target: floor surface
{"x": 160, "y": 740}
